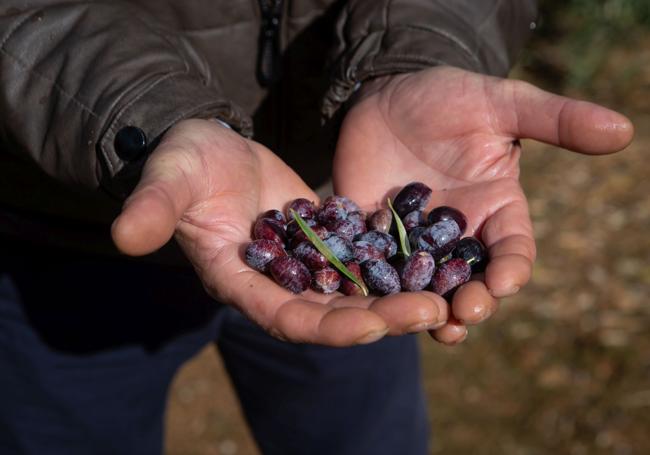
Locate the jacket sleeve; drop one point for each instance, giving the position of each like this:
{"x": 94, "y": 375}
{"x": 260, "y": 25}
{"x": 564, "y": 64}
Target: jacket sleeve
{"x": 379, "y": 37}
{"x": 73, "y": 73}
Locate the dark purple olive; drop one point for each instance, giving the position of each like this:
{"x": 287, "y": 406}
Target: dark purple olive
{"x": 382, "y": 241}
{"x": 449, "y": 276}
{"x": 414, "y": 237}
{"x": 341, "y": 247}
{"x": 381, "y": 221}
{"x": 332, "y": 210}
{"x": 472, "y": 251}
{"x": 310, "y": 256}
{"x": 360, "y": 214}
{"x": 290, "y": 273}
{"x": 342, "y": 228}
{"x": 268, "y": 229}
{"x": 275, "y": 215}
{"x": 358, "y": 220}
{"x": 300, "y": 236}
{"x": 413, "y": 219}
{"x": 326, "y": 280}
{"x": 414, "y": 196}
{"x": 448, "y": 213}
{"x": 364, "y": 251}
{"x": 305, "y": 208}
{"x": 417, "y": 271}
{"x": 348, "y": 204}
{"x": 259, "y": 253}
{"x": 293, "y": 228}
{"x": 439, "y": 238}
{"x": 348, "y": 287}
{"x": 381, "y": 277}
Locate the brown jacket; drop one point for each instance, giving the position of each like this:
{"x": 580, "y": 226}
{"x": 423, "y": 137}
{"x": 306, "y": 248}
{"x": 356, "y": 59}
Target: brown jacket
{"x": 74, "y": 73}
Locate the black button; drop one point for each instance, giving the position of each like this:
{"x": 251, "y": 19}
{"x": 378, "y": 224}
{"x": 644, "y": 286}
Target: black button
{"x": 130, "y": 143}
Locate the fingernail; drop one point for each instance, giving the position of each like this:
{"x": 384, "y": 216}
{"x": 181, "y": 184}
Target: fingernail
{"x": 371, "y": 337}
{"x": 460, "y": 340}
{"x": 479, "y": 314}
{"x": 512, "y": 291}
{"x": 275, "y": 333}
{"x": 421, "y": 326}
{"x": 437, "y": 325}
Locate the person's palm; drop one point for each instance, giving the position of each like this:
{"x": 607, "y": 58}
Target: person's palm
{"x": 205, "y": 186}
{"x": 458, "y": 132}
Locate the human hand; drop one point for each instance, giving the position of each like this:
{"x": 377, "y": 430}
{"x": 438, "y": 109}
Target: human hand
{"x": 458, "y": 132}
{"x": 206, "y": 185}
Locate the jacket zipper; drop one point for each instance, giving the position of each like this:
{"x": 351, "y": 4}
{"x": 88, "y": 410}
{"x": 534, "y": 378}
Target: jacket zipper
{"x": 268, "y": 59}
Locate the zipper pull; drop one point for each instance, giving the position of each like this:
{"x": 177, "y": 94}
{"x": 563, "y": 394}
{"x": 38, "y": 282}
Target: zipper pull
{"x": 268, "y": 57}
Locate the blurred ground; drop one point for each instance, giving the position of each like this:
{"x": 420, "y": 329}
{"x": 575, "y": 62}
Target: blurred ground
{"x": 564, "y": 366}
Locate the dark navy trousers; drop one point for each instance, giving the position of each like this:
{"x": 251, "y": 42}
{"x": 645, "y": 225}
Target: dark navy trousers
{"x": 89, "y": 346}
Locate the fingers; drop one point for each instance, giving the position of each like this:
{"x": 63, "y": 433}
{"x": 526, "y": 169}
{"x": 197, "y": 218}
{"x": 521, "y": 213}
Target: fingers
{"x": 303, "y": 321}
{"x": 473, "y": 303}
{"x": 575, "y": 125}
{"x": 311, "y": 317}
{"x": 454, "y": 332}
{"x": 508, "y": 236}
{"x": 150, "y": 214}
{"x": 411, "y": 312}
{"x": 506, "y": 231}
{"x": 165, "y": 190}
{"x": 196, "y": 160}
{"x": 366, "y": 319}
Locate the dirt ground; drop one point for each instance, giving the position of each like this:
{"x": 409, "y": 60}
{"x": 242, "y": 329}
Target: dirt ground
{"x": 563, "y": 367}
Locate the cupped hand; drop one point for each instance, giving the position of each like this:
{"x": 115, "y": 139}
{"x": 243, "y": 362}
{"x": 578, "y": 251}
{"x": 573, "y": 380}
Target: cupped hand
{"x": 458, "y": 132}
{"x": 206, "y": 185}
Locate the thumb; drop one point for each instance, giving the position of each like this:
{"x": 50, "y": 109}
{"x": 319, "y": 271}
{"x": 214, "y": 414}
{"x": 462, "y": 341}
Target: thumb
{"x": 575, "y": 125}
{"x": 150, "y": 214}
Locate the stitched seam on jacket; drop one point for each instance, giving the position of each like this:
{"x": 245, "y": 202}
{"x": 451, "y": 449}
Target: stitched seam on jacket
{"x": 389, "y": 3}
{"x": 144, "y": 91}
{"x": 217, "y": 27}
{"x": 179, "y": 51}
{"x": 480, "y": 27}
{"x": 387, "y": 61}
{"x": 216, "y": 30}
{"x": 13, "y": 30}
{"x": 31, "y": 70}
{"x": 454, "y": 39}
{"x": 345, "y": 16}
{"x": 484, "y": 44}
{"x": 385, "y": 19}
{"x": 385, "y": 14}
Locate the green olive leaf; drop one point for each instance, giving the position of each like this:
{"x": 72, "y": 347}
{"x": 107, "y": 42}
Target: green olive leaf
{"x": 327, "y": 252}
{"x": 403, "y": 237}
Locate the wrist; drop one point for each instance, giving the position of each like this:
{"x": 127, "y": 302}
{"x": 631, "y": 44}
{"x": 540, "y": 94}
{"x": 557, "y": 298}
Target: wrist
{"x": 222, "y": 123}
{"x": 373, "y": 86}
